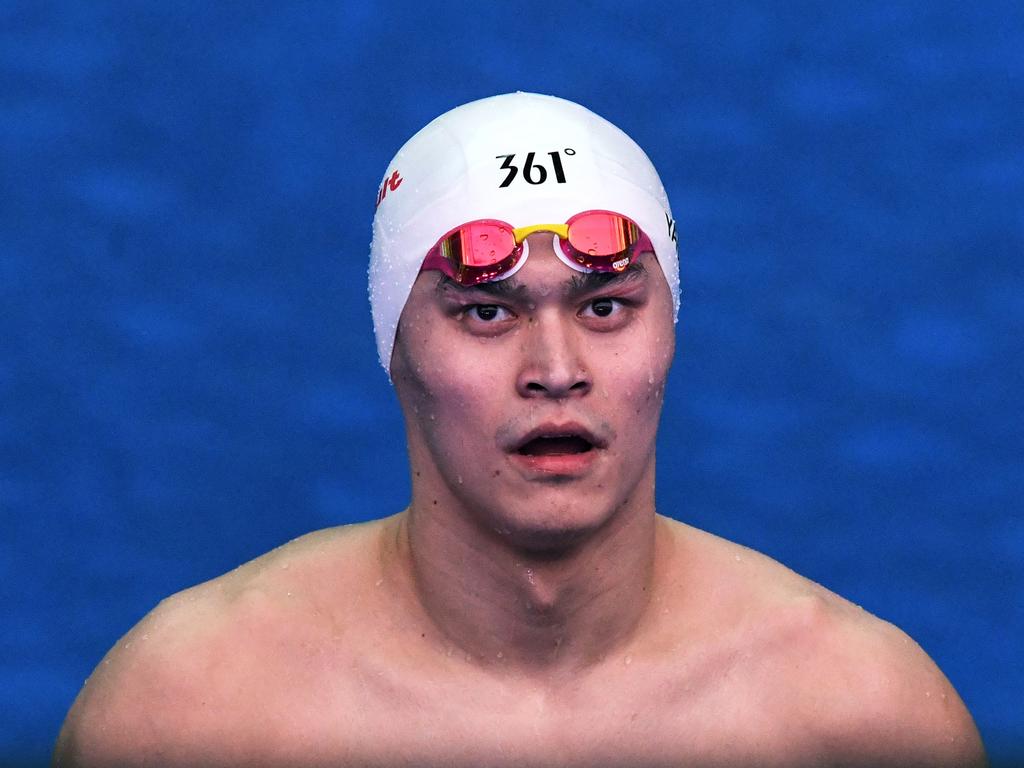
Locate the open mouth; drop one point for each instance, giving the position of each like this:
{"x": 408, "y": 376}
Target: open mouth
{"x": 558, "y": 451}
{"x": 555, "y": 445}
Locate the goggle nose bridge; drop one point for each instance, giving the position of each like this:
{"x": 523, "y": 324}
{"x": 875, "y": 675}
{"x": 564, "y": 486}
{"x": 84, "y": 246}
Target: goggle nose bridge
{"x": 521, "y": 233}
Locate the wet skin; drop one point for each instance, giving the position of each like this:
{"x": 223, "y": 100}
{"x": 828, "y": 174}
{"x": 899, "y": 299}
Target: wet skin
{"x": 479, "y": 371}
{"x": 530, "y": 607}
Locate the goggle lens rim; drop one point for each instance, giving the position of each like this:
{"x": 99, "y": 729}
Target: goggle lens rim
{"x": 600, "y": 240}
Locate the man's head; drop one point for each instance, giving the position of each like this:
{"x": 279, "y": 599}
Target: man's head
{"x": 521, "y": 158}
{"x": 531, "y": 378}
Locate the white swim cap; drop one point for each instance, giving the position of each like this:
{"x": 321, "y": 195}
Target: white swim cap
{"x": 521, "y": 158}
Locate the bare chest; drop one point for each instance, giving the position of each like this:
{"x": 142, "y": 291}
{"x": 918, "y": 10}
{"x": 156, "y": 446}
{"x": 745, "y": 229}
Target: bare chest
{"x": 641, "y": 717}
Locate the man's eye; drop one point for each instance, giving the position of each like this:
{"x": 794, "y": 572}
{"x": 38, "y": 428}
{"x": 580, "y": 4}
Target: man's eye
{"x": 487, "y": 312}
{"x": 602, "y": 307}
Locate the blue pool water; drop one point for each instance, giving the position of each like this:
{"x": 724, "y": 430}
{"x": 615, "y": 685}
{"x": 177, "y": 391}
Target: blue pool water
{"x": 187, "y": 372}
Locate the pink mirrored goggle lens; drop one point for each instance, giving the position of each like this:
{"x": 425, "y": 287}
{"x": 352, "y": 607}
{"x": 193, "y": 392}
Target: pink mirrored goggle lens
{"x": 599, "y": 238}
{"x": 476, "y": 252}
{"x": 478, "y": 244}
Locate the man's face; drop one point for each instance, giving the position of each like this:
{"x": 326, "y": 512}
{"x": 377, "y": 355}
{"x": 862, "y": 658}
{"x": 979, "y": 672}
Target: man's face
{"x": 533, "y": 402}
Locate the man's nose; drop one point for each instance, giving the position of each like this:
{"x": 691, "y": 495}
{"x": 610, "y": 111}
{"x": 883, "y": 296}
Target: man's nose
{"x": 552, "y": 365}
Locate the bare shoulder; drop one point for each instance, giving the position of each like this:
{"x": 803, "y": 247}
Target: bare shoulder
{"x": 858, "y": 687}
{"x": 193, "y": 677}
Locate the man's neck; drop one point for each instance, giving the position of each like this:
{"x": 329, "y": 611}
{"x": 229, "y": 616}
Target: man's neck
{"x": 506, "y": 607}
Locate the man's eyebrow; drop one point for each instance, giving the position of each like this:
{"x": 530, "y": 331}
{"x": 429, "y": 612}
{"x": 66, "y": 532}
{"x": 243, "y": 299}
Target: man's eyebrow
{"x": 507, "y": 288}
{"x": 595, "y": 281}
{"x": 578, "y": 285}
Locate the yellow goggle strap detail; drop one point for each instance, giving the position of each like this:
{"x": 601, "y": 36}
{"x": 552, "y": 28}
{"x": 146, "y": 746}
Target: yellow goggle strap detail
{"x": 521, "y": 233}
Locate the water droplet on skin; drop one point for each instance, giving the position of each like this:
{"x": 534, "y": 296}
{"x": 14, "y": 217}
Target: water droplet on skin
{"x": 459, "y": 478}
{"x": 483, "y": 235}
{"x": 628, "y": 660}
{"x": 289, "y": 594}
{"x": 379, "y": 582}
{"x": 501, "y": 655}
{"x": 284, "y": 567}
{"x": 738, "y": 558}
{"x": 145, "y": 637}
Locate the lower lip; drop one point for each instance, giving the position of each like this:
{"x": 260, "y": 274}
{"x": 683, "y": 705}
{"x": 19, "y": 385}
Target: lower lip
{"x": 557, "y": 463}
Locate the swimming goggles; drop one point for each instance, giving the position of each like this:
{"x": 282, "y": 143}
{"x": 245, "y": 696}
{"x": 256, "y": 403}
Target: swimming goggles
{"x": 487, "y": 249}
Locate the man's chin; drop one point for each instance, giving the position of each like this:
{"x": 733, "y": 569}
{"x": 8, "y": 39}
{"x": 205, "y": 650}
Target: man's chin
{"x": 551, "y": 536}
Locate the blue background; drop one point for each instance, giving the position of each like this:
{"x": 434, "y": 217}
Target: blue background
{"x": 187, "y": 370}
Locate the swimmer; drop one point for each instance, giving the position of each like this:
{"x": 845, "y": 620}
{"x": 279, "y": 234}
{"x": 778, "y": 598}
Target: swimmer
{"x": 529, "y": 607}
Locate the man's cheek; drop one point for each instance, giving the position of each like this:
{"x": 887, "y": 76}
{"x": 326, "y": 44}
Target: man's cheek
{"x": 444, "y": 394}
{"x": 457, "y": 430}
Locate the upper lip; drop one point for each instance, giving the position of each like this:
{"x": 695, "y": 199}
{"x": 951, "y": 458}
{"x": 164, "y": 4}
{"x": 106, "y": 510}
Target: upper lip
{"x": 560, "y": 429}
